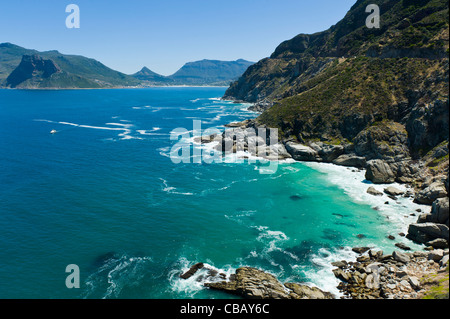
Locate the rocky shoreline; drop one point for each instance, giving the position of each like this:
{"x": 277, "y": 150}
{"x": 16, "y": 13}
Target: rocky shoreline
{"x": 400, "y": 275}
{"x": 386, "y": 160}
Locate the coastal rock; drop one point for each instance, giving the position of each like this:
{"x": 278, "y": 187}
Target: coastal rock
{"x": 440, "y": 211}
{"x": 436, "y": 255}
{"x": 391, "y": 190}
{"x": 406, "y": 170}
{"x": 301, "y": 152}
{"x": 188, "y": 274}
{"x": 401, "y": 257}
{"x": 360, "y": 250}
{"x": 444, "y": 261}
{"x": 306, "y": 292}
{"x": 426, "y": 232}
{"x": 327, "y": 152}
{"x": 279, "y": 150}
{"x": 432, "y": 192}
{"x": 253, "y": 283}
{"x": 350, "y": 161}
{"x": 379, "y": 172}
{"x": 438, "y": 243}
{"x": 372, "y": 191}
{"x": 402, "y": 246}
{"x": 372, "y": 281}
{"x": 386, "y": 140}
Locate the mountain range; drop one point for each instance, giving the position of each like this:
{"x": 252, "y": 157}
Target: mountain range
{"x": 204, "y": 72}
{"x": 28, "y": 69}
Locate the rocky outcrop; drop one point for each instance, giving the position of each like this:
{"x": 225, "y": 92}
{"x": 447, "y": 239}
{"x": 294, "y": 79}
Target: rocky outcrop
{"x": 386, "y": 140}
{"x": 301, "y": 152}
{"x": 430, "y": 192}
{"x": 395, "y": 276}
{"x": 253, "y": 283}
{"x": 425, "y": 233}
{"x": 350, "y": 160}
{"x": 379, "y": 172}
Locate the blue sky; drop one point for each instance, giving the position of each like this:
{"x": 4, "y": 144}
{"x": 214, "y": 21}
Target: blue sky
{"x": 165, "y": 34}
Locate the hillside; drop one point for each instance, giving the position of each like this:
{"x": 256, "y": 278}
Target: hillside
{"x": 74, "y": 71}
{"x": 333, "y": 85}
{"x": 409, "y": 29}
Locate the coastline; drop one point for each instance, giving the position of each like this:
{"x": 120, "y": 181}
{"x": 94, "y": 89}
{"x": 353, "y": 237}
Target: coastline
{"x": 115, "y": 88}
{"x": 401, "y": 210}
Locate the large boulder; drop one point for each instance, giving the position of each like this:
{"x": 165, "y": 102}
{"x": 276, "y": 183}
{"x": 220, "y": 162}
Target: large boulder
{"x": 391, "y": 190}
{"x": 431, "y": 192}
{"x": 253, "y": 283}
{"x": 350, "y": 160}
{"x": 426, "y": 232}
{"x": 379, "y": 172}
{"x": 301, "y": 152}
{"x": 372, "y": 191}
{"x": 327, "y": 152}
{"x": 440, "y": 211}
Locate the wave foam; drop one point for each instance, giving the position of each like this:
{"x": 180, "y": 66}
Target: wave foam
{"x": 355, "y": 185}
{"x": 117, "y": 273}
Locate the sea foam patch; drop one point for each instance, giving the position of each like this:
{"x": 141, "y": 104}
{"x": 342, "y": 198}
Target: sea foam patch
{"x": 400, "y": 212}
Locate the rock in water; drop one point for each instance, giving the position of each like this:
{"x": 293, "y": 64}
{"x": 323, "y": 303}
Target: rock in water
{"x": 253, "y": 283}
{"x": 402, "y": 246}
{"x": 360, "y": 250}
{"x": 188, "y": 274}
{"x": 391, "y": 190}
{"x": 372, "y": 191}
{"x": 295, "y": 197}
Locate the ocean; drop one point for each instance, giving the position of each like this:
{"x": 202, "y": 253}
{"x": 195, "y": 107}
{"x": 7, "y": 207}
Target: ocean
{"x": 102, "y": 193}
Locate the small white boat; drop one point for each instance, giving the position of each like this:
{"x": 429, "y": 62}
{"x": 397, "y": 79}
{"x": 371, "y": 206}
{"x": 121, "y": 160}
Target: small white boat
{"x": 52, "y": 131}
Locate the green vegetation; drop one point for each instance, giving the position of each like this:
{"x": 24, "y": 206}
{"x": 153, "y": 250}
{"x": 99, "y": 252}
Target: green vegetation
{"x": 437, "y": 285}
{"x": 334, "y": 84}
{"x": 367, "y": 87}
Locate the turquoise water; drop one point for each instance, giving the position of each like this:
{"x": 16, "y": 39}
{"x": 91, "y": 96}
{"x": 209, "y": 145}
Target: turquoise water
{"x": 102, "y": 193}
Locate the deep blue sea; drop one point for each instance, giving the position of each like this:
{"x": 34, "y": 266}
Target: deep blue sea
{"x": 103, "y": 193}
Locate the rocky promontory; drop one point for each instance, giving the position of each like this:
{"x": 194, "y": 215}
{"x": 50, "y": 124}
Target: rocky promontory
{"x": 253, "y": 283}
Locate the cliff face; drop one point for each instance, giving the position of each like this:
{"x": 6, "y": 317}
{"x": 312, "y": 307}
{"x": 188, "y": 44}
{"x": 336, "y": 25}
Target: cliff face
{"x": 32, "y": 68}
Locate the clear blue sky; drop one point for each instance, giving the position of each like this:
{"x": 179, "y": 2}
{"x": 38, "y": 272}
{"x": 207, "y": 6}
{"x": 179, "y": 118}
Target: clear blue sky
{"x": 165, "y": 34}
